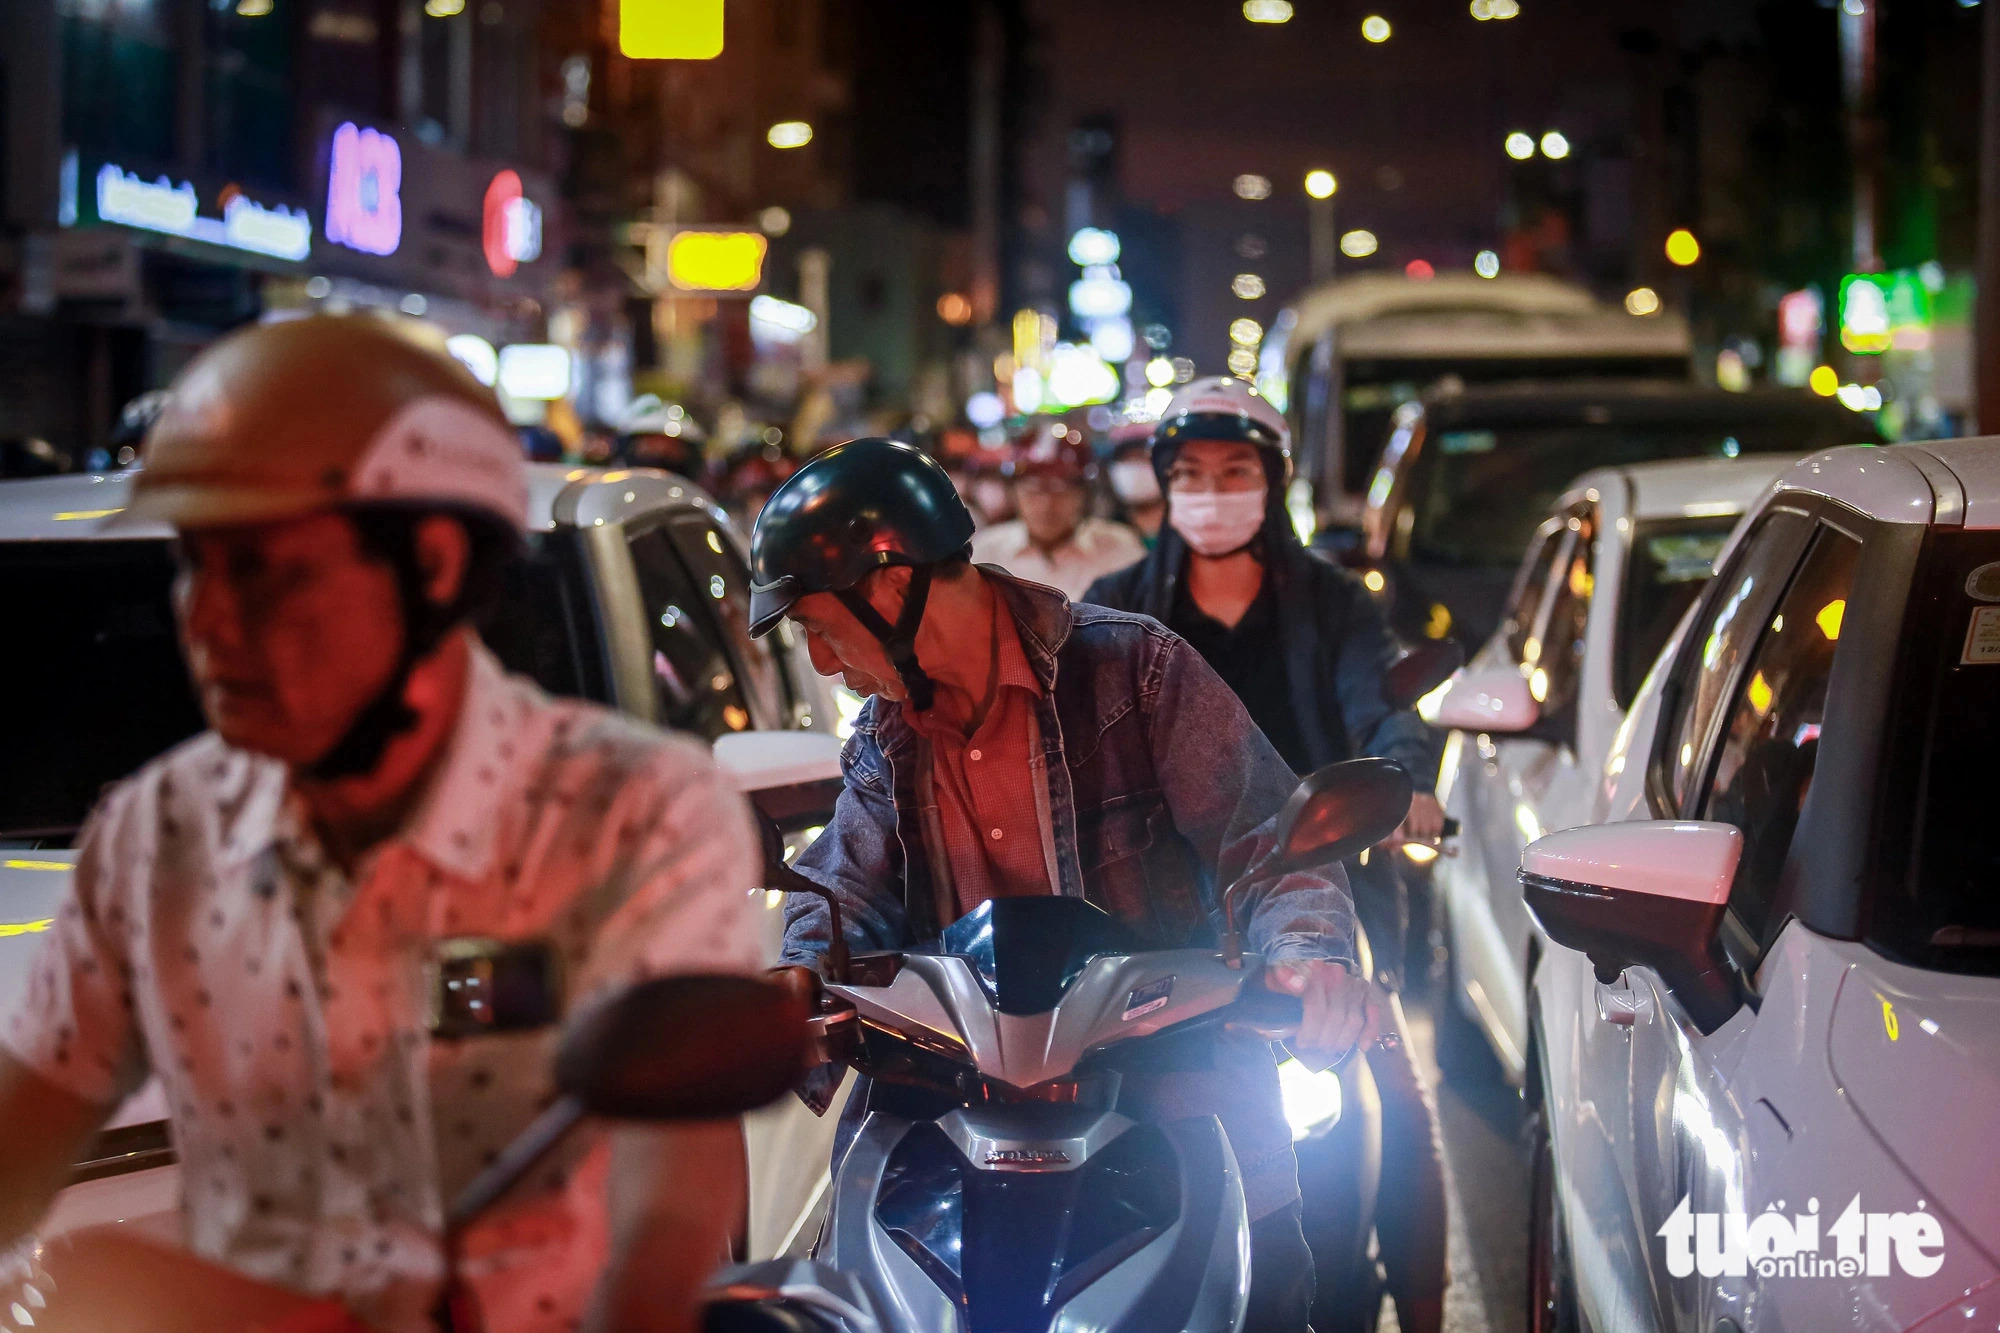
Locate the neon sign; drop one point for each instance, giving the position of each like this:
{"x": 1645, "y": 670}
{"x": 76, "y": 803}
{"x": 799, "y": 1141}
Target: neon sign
{"x": 171, "y": 209}
{"x": 512, "y": 231}
{"x": 364, "y": 206}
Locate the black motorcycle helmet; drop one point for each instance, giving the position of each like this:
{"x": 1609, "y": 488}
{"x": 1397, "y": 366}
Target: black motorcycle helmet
{"x": 854, "y": 509}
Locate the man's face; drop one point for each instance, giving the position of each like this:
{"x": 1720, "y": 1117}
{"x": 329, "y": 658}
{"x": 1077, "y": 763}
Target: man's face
{"x": 840, "y": 646}
{"x": 1051, "y": 508}
{"x": 289, "y": 629}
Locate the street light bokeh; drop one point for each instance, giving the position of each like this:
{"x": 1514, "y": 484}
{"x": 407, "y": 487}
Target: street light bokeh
{"x": 1520, "y": 145}
{"x": 1375, "y": 28}
{"x": 1682, "y": 248}
{"x": 1358, "y": 244}
{"x": 1555, "y": 145}
{"x": 1267, "y": 11}
{"x": 1320, "y": 184}
{"x": 1252, "y": 186}
{"x": 789, "y": 134}
{"x": 1486, "y": 264}
{"x": 1642, "y": 301}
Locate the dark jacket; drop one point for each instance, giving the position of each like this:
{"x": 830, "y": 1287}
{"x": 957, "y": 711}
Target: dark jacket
{"x": 1336, "y": 644}
{"x": 1160, "y": 787}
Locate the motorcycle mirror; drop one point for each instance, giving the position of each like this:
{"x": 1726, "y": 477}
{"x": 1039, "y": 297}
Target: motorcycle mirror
{"x": 779, "y": 875}
{"x": 1341, "y": 810}
{"x": 1421, "y": 670}
{"x": 685, "y": 1048}
{"x": 1336, "y": 813}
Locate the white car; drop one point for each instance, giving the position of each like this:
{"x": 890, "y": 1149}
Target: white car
{"x": 634, "y": 592}
{"x": 1765, "y": 1040}
{"x": 1622, "y": 554}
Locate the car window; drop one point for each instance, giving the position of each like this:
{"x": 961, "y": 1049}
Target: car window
{"x": 94, "y": 675}
{"x": 694, "y": 677}
{"x": 1530, "y": 586}
{"x": 1553, "y": 678}
{"x": 1669, "y": 562}
{"x": 1730, "y": 619}
{"x": 1475, "y": 491}
{"x": 714, "y": 563}
{"x": 542, "y": 626}
{"x": 1937, "y": 861}
{"x": 1764, "y": 767}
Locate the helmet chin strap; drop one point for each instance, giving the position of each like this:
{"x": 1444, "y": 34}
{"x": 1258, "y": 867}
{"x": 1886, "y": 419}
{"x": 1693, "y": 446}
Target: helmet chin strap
{"x": 386, "y": 716}
{"x": 900, "y": 639}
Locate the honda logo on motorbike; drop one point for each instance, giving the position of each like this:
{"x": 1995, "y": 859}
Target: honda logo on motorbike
{"x": 1027, "y": 1157}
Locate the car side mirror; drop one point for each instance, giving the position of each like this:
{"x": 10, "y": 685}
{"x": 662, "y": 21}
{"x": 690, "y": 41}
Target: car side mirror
{"x": 1420, "y": 670}
{"x": 1335, "y": 813}
{"x": 1649, "y": 893}
{"x": 1490, "y": 698}
{"x": 685, "y": 1048}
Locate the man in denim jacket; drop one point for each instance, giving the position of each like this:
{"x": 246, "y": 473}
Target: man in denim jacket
{"x": 1016, "y": 744}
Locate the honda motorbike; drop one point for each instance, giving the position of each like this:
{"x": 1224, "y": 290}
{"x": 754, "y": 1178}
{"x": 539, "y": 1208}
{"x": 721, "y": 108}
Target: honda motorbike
{"x": 995, "y": 1182}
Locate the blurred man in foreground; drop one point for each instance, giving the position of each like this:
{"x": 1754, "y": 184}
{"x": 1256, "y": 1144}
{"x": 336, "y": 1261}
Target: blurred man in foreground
{"x": 282, "y": 919}
{"x": 1055, "y": 541}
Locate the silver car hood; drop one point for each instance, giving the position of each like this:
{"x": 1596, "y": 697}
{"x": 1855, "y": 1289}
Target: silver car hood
{"x": 1115, "y": 998}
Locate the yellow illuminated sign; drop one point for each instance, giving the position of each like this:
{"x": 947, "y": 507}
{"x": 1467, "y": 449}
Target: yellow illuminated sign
{"x": 670, "y": 29}
{"x": 716, "y": 261}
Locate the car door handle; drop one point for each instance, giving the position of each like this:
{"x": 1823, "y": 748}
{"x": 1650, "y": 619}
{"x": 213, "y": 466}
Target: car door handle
{"x": 1623, "y": 1003}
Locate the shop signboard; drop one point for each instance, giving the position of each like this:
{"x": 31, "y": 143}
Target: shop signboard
{"x": 402, "y": 213}
{"x": 96, "y": 191}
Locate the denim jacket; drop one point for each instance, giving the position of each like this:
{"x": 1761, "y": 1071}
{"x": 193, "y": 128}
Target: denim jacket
{"x": 1160, "y": 790}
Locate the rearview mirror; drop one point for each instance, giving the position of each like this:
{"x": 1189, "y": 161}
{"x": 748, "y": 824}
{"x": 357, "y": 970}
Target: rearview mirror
{"x": 1421, "y": 670}
{"x": 1650, "y": 893}
{"x": 1342, "y": 810}
{"x": 1492, "y": 699}
{"x": 1335, "y": 813}
{"x": 685, "y": 1048}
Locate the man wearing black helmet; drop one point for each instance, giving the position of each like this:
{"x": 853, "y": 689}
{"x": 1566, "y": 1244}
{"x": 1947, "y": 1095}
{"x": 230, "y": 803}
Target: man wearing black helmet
{"x": 1305, "y": 647}
{"x": 1015, "y": 744}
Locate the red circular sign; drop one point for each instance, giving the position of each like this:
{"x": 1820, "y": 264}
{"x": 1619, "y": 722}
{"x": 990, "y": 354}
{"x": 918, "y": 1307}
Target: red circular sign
{"x": 504, "y": 190}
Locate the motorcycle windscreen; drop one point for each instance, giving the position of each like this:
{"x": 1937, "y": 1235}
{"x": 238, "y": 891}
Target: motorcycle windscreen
{"x": 1027, "y": 951}
{"x": 1012, "y": 1248}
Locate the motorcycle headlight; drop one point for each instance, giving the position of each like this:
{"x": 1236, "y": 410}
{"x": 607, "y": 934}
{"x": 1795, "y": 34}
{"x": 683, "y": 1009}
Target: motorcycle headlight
{"x": 1312, "y": 1100}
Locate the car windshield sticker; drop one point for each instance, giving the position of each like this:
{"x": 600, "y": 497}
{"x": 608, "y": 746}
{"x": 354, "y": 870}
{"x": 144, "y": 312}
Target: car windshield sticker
{"x": 1983, "y": 583}
{"x": 1144, "y": 1000}
{"x": 1982, "y": 640}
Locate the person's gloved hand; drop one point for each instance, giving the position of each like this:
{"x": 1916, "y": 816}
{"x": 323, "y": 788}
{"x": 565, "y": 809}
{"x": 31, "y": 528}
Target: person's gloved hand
{"x": 1342, "y": 1011}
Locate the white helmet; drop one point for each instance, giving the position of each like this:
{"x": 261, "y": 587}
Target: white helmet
{"x": 1221, "y": 407}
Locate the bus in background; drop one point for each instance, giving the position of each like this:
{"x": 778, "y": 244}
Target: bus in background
{"x": 1342, "y": 356}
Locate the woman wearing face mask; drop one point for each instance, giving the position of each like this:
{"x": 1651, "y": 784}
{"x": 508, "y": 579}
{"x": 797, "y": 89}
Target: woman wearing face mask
{"x": 1306, "y": 649}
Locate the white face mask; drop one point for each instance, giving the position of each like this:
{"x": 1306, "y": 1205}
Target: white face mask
{"x": 1217, "y": 522}
{"x": 1134, "y": 482}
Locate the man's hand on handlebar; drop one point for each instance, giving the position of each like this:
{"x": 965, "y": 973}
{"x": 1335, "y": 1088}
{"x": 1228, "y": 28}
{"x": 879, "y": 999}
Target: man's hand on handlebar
{"x": 1342, "y": 1011}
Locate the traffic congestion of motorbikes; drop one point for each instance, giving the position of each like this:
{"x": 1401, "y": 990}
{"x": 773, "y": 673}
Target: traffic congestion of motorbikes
{"x": 917, "y": 884}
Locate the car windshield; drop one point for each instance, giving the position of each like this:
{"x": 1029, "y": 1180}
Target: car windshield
{"x": 98, "y": 686}
{"x": 1476, "y": 493}
{"x": 1671, "y": 559}
{"x": 1937, "y": 899}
